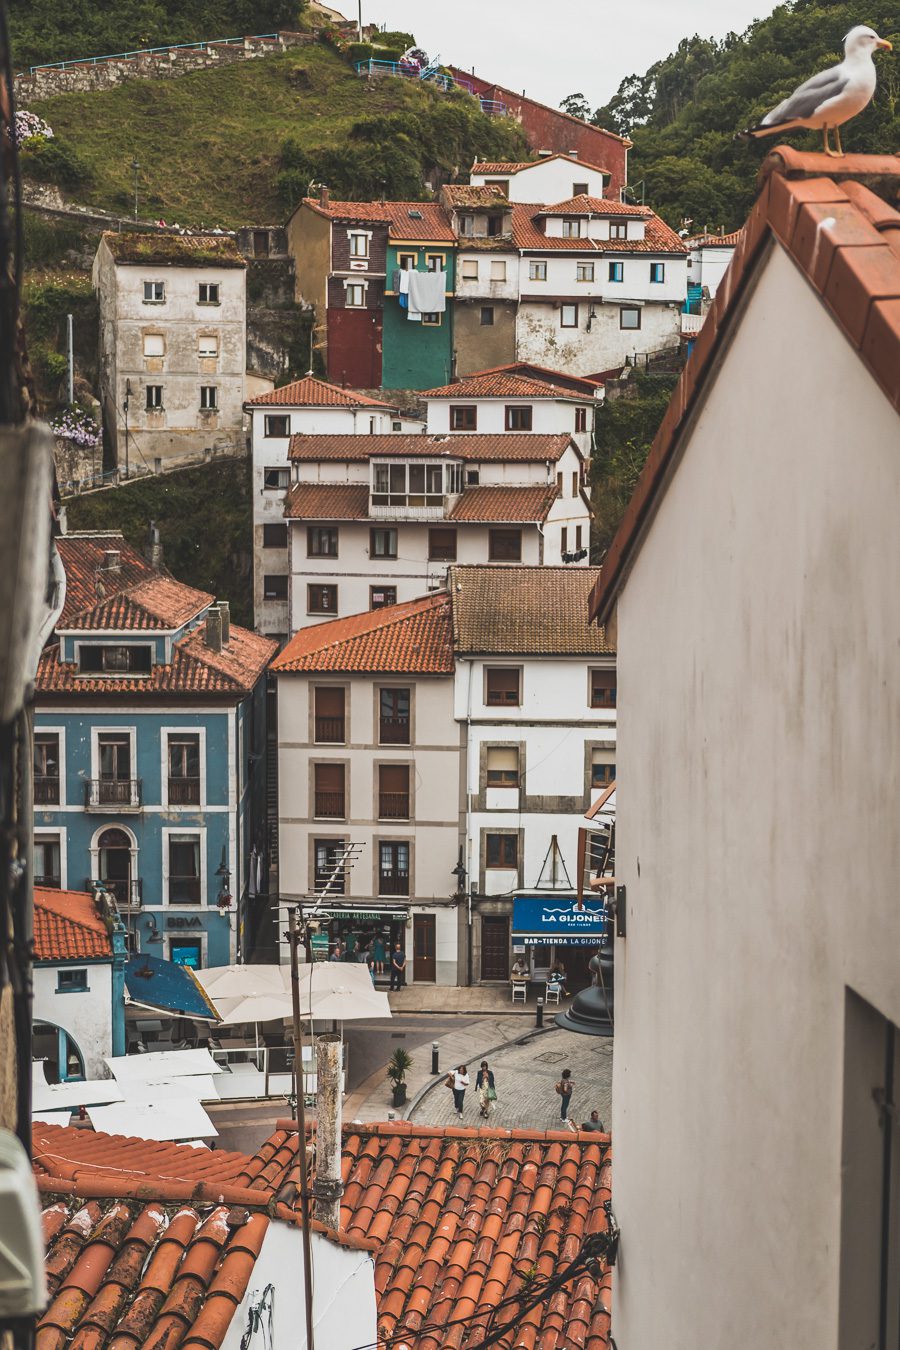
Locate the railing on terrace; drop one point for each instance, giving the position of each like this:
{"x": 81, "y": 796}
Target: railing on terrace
{"x": 153, "y": 51}
{"x": 491, "y": 106}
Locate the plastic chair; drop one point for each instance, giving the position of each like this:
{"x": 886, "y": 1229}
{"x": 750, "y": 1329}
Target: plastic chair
{"x": 551, "y": 994}
{"x": 519, "y": 991}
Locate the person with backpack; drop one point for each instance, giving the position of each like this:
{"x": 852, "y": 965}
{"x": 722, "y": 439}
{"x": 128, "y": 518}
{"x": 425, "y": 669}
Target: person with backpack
{"x": 458, "y": 1081}
{"x": 564, "y": 1088}
{"x": 486, "y": 1088}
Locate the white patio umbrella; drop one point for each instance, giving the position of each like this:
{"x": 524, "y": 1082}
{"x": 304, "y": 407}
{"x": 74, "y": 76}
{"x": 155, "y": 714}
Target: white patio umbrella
{"x": 340, "y": 991}
{"x": 248, "y": 993}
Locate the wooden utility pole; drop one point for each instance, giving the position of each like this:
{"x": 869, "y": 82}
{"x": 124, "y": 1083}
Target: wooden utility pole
{"x": 328, "y": 1187}
{"x": 301, "y": 1130}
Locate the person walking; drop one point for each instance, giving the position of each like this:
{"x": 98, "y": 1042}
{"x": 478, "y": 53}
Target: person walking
{"x": 486, "y": 1088}
{"x": 564, "y": 1088}
{"x": 398, "y": 967}
{"x": 460, "y": 1083}
{"x": 378, "y": 954}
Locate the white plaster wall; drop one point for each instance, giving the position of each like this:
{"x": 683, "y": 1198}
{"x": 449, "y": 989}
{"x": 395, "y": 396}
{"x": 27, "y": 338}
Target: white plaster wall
{"x": 756, "y": 805}
{"x": 484, "y": 286}
{"x": 635, "y": 283}
{"x": 597, "y": 227}
{"x": 87, "y": 1017}
{"x": 541, "y": 339}
{"x": 344, "y": 1309}
{"x": 548, "y": 416}
{"x": 709, "y": 265}
{"x": 547, "y": 181}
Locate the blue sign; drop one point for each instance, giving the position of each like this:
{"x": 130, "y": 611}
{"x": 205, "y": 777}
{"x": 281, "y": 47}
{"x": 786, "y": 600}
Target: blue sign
{"x": 554, "y": 918}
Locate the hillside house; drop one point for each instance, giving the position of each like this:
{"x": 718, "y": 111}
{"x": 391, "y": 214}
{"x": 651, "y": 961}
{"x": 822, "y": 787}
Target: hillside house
{"x": 375, "y": 520}
{"x": 551, "y": 178}
{"x": 487, "y": 277}
{"x": 149, "y": 771}
{"x": 173, "y": 340}
{"x": 752, "y": 588}
{"x": 710, "y": 255}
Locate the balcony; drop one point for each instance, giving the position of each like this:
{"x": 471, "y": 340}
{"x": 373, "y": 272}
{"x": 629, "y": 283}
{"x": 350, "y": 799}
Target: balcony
{"x": 329, "y": 731}
{"x": 393, "y": 806}
{"x": 691, "y": 324}
{"x": 393, "y": 883}
{"x": 399, "y": 506}
{"x": 184, "y": 791}
{"x": 329, "y": 805}
{"x": 393, "y": 730}
{"x": 122, "y": 794}
{"x": 127, "y": 894}
{"x": 46, "y": 791}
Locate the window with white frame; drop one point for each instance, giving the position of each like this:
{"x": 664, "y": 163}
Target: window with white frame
{"x": 568, "y": 316}
{"x": 573, "y": 228}
{"x": 47, "y": 861}
{"x": 276, "y": 478}
{"x": 407, "y": 484}
{"x": 277, "y": 424}
{"x": 435, "y": 262}
{"x": 208, "y": 293}
{"x": 537, "y": 269}
{"x": 209, "y": 397}
{"x": 355, "y": 296}
{"x": 154, "y": 344}
{"x": 208, "y": 346}
{"x": 584, "y": 271}
{"x": 154, "y": 395}
{"x": 185, "y": 878}
{"x": 154, "y": 292}
{"x": 618, "y": 229}
{"x": 359, "y": 244}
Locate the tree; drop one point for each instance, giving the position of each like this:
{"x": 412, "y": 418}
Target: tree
{"x": 576, "y": 105}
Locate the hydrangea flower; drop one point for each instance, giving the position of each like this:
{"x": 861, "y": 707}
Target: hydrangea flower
{"x": 29, "y": 125}
{"x": 77, "y": 426}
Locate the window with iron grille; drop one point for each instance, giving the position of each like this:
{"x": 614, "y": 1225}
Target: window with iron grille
{"x": 394, "y": 716}
{"x": 184, "y": 869}
{"x": 329, "y": 715}
{"x": 329, "y": 795}
{"x": 46, "y": 768}
{"x": 393, "y": 868}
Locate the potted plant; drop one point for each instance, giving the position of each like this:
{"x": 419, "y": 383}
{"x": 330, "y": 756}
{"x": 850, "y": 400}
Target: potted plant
{"x": 399, "y": 1065}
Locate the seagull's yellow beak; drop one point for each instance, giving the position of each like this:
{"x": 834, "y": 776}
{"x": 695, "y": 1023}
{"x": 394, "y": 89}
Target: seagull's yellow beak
{"x": 883, "y": 42}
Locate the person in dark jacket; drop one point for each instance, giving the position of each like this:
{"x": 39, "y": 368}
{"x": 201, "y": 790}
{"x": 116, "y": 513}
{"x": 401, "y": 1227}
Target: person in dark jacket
{"x": 398, "y": 967}
{"x": 486, "y": 1089}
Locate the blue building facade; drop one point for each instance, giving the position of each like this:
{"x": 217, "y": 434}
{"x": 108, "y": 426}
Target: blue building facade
{"x": 150, "y": 755}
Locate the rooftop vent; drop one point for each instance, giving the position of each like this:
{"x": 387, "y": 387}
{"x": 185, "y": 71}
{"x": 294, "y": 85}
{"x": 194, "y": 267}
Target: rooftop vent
{"x": 213, "y": 635}
{"x": 112, "y": 560}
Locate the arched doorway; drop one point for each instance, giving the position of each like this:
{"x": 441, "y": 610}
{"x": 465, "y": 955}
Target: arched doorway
{"x": 63, "y": 1062}
{"x": 115, "y": 850}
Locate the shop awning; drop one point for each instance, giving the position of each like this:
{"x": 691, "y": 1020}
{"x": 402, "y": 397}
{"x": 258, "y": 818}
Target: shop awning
{"x": 545, "y": 920}
{"x": 167, "y": 987}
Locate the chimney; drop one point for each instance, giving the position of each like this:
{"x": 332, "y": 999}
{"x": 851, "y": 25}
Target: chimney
{"x": 214, "y": 628}
{"x": 328, "y": 1187}
{"x": 323, "y": 195}
{"x": 156, "y": 552}
{"x": 112, "y": 560}
{"x": 225, "y": 611}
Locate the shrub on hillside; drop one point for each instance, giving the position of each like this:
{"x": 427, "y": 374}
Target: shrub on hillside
{"x": 53, "y": 161}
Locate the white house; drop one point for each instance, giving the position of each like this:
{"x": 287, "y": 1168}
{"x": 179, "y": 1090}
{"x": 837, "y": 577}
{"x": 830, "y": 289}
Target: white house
{"x": 599, "y": 283}
{"x": 753, "y": 592}
{"x": 309, "y": 407}
{"x": 373, "y": 520}
{"x": 173, "y": 338}
{"x": 552, "y": 178}
{"x": 710, "y": 255}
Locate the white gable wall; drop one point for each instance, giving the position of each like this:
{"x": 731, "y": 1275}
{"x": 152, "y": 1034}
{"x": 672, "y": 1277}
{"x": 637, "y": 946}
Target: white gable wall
{"x": 547, "y": 180}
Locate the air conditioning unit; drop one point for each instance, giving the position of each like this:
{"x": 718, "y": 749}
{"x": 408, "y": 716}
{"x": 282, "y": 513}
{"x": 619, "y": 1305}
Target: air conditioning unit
{"x": 23, "y": 1287}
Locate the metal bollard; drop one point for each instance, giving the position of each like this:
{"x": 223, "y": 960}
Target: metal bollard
{"x": 539, "y": 1016}
{"x": 434, "y": 1058}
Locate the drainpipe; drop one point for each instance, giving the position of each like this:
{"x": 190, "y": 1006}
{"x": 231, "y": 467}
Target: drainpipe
{"x": 118, "y": 988}
{"x": 328, "y": 1187}
{"x": 469, "y": 928}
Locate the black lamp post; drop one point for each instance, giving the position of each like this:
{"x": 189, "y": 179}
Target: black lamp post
{"x": 223, "y": 899}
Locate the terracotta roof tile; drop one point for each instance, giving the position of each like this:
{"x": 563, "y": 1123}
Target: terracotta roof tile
{"x": 713, "y": 240}
{"x": 158, "y": 603}
{"x": 512, "y": 504}
{"x": 658, "y": 236}
{"x": 516, "y": 166}
{"x": 504, "y": 447}
{"x": 524, "y": 610}
{"x": 176, "y": 250}
{"x": 462, "y": 194}
{"x": 846, "y": 241}
{"x": 406, "y": 220}
{"x": 412, "y": 637}
{"x": 61, "y": 1151}
{"x": 499, "y": 384}
{"x": 67, "y": 926}
{"x": 313, "y": 393}
{"x": 327, "y": 501}
{"x": 88, "y": 578}
{"x": 583, "y": 384}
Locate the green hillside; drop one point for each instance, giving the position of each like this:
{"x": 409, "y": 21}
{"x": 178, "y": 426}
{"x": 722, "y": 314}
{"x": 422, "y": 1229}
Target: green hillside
{"x": 239, "y": 145}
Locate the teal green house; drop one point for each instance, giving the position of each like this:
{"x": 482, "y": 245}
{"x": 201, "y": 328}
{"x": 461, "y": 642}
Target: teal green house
{"x": 418, "y": 354}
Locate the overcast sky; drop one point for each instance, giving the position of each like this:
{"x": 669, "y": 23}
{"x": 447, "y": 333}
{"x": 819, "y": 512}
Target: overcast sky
{"x": 589, "y": 48}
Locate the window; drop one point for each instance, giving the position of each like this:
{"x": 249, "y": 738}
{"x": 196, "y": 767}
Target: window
{"x": 629, "y": 318}
{"x": 502, "y": 686}
{"x": 329, "y": 869}
{"x": 275, "y": 536}
{"x": 277, "y": 424}
{"x": 154, "y": 397}
{"x": 657, "y": 272}
{"x": 329, "y": 715}
{"x": 407, "y": 484}
{"x": 276, "y": 478}
{"x": 568, "y": 316}
{"x": 463, "y": 417}
{"x": 454, "y": 479}
{"x": 321, "y": 541}
{"x": 467, "y": 226}
{"x": 355, "y": 296}
{"x": 359, "y": 244}
{"x": 46, "y": 768}
{"x": 584, "y": 271}
{"x": 97, "y": 659}
{"x": 505, "y": 545}
{"x": 154, "y": 344}
{"x": 208, "y": 293}
{"x": 393, "y": 716}
{"x": 321, "y": 599}
{"x": 618, "y": 229}
{"x": 46, "y": 861}
{"x": 498, "y": 270}
{"x": 501, "y": 850}
{"x": 209, "y": 397}
{"x": 442, "y": 545}
{"x": 184, "y": 869}
{"x": 494, "y": 226}
{"x": 184, "y": 770}
{"x": 487, "y": 316}
{"x": 564, "y": 540}
{"x": 407, "y": 261}
{"x": 603, "y": 770}
{"x": 382, "y": 543}
{"x": 503, "y": 766}
{"x": 473, "y": 477}
{"x": 275, "y": 587}
{"x": 393, "y": 792}
{"x": 114, "y": 863}
{"x": 329, "y": 790}
{"x": 470, "y": 269}
{"x": 577, "y": 538}
{"x": 603, "y": 688}
{"x": 580, "y": 190}
{"x": 208, "y": 346}
{"x": 518, "y": 417}
{"x": 617, "y": 271}
{"x": 575, "y": 484}
{"x": 537, "y": 269}
{"x": 154, "y": 292}
{"x": 382, "y": 596}
{"x": 435, "y": 262}
{"x": 431, "y": 319}
{"x": 581, "y": 419}
{"x": 114, "y": 753}
{"x": 72, "y": 982}
{"x": 572, "y": 228}
{"x": 393, "y": 868}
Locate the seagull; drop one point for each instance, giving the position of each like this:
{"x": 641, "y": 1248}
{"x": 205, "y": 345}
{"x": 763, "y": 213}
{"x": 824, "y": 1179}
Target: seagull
{"x": 833, "y": 96}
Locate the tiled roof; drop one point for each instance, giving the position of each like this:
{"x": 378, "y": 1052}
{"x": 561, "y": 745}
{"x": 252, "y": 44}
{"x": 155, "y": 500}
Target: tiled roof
{"x": 179, "y": 250}
{"x": 525, "y": 611}
{"x": 504, "y": 504}
{"x": 349, "y": 210}
{"x": 498, "y": 384}
{"x": 312, "y": 393}
{"x": 499, "y": 166}
{"x": 413, "y": 638}
{"x": 846, "y": 241}
{"x": 406, "y": 220}
{"x": 658, "y": 237}
{"x": 327, "y": 501}
{"x": 465, "y": 1219}
{"x": 159, "y": 603}
{"x": 583, "y": 205}
{"x": 504, "y": 447}
{"x": 76, "y": 1155}
{"x": 67, "y": 926}
{"x": 714, "y": 240}
{"x": 88, "y": 580}
{"x": 562, "y": 379}
{"x": 490, "y": 195}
